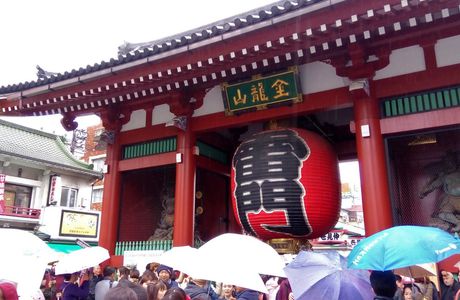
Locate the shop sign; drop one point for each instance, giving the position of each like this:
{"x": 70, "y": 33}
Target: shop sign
{"x": 2, "y": 192}
{"x": 334, "y": 235}
{"x": 78, "y": 224}
{"x": 54, "y": 194}
{"x": 262, "y": 92}
{"x": 141, "y": 258}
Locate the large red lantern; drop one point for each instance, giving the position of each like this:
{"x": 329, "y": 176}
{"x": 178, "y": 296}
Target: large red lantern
{"x": 285, "y": 183}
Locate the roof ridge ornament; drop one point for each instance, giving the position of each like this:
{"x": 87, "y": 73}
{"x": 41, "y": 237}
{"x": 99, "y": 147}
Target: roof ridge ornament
{"x": 127, "y": 47}
{"x": 42, "y": 74}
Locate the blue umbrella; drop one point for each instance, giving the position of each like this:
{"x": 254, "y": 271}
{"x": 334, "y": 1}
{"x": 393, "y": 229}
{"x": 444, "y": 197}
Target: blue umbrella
{"x": 403, "y": 246}
{"x": 325, "y": 276}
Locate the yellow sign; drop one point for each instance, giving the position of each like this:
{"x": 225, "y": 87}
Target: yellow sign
{"x": 78, "y": 224}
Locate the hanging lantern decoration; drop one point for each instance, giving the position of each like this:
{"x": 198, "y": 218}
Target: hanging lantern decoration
{"x": 285, "y": 184}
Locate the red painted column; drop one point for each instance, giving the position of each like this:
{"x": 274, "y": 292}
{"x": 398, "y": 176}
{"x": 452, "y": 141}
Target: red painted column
{"x": 111, "y": 199}
{"x": 373, "y": 170}
{"x": 184, "y": 207}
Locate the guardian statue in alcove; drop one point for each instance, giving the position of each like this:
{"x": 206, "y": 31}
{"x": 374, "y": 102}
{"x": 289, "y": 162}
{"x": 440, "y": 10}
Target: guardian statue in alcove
{"x": 445, "y": 174}
{"x": 165, "y": 228}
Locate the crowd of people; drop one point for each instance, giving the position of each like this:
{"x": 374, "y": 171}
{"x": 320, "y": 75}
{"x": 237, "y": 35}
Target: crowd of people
{"x": 160, "y": 282}
{"x": 156, "y": 282}
{"x": 389, "y": 286}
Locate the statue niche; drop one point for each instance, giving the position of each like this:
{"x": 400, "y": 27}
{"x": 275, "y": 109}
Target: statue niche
{"x": 445, "y": 174}
{"x": 164, "y": 231}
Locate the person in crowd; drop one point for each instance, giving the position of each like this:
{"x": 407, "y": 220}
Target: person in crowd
{"x": 165, "y": 274}
{"x": 175, "y": 293}
{"x": 74, "y": 287}
{"x": 134, "y": 276}
{"x": 47, "y": 286}
{"x": 97, "y": 276}
{"x": 152, "y": 267}
{"x": 120, "y": 293}
{"x": 182, "y": 280}
{"x": 227, "y": 292}
{"x": 103, "y": 286}
{"x": 284, "y": 291}
{"x": 199, "y": 289}
{"x": 273, "y": 284}
{"x": 137, "y": 288}
{"x": 449, "y": 286}
{"x": 147, "y": 277}
{"x": 8, "y": 291}
{"x": 156, "y": 291}
{"x": 427, "y": 288}
{"x": 412, "y": 292}
{"x": 384, "y": 284}
{"x": 242, "y": 293}
{"x": 400, "y": 286}
{"x": 408, "y": 293}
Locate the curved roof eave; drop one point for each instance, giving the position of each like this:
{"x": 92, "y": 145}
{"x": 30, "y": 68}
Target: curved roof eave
{"x": 239, "y": 24}
{"x": 55, "y": 165}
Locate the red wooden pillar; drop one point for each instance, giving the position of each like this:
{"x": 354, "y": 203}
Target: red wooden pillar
{"x": 184, "y": 207}
{"x": 112, "y": 120}
{"x": 373, "y": 171}
{"x": 111, "y": 199}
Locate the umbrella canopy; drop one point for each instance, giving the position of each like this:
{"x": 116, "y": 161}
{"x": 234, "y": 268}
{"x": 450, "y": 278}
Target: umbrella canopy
{"x": 81, "y": 259}
{"x": 23, "y": 251}
{"x": 417, "y": 271}
{"x": 325, "y": 276}
{"x": 198, "y": 265}
{"x": 244, "y": 250}
{"x": 403, "y": 246}
{"x": 230, "y": 258}
{"x": 183, "y": 258}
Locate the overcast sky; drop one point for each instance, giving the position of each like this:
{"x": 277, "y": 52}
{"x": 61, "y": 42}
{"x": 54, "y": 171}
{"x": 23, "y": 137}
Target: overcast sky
{"x": 61, "y": 35}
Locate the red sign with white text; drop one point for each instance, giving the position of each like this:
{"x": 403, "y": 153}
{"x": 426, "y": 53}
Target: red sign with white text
{"x": 2, "y": 192}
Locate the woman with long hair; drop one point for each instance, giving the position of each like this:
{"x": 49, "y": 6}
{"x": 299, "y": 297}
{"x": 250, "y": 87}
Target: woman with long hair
{"x": 156, "y": 290}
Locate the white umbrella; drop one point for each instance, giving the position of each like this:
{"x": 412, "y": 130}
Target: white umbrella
{"x": 239, "y": 260}
{"x": 81, "y": 259}
{"x": 197, "y": 265}
{"x": 22, "y": 251}
{"x": 182, "y": 258}
{"x": 244, "y": 251}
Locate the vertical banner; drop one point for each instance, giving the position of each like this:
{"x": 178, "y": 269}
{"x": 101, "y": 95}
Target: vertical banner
{"x": 54, "y": 194}
{"x": 2, "y": 193}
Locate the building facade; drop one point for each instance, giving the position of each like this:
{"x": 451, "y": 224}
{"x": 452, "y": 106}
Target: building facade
{"x": 378, "y": 79}
{"x": 43, "y": 187}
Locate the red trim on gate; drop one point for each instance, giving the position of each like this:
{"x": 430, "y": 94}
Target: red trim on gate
{"x": 327, "y": 100}
{"x": 418, "y": 81}
{"x": 421, "y": 121}
{"x": 147, "y": 161}
{"x": 212, "y": 165}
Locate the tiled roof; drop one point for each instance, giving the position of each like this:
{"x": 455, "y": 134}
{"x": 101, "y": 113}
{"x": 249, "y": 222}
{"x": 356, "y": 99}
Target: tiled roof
{"x": 39, "y": 147}
{"x": 170, "y": 43}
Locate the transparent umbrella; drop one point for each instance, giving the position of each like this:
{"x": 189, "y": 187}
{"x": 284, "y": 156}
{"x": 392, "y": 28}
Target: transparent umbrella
{"x": 22, "y": 251}
{"x": 81, "y": 259}
{"x": 198, "y": 264}
{"x": 244, "y": 250}
{"x": 182, "y": 258}
{"x": 325, "y": 276}
{"x": 230, "y": 258}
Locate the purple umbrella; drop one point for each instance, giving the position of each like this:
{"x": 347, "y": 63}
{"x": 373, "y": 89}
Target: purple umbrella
{"x": 325, "y": 275}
